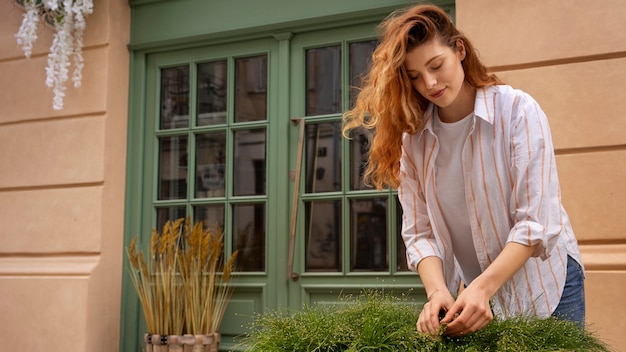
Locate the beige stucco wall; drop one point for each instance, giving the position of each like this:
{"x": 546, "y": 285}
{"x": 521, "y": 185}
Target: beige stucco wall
{"x": 571, "y": 58}
{"x": 62, "y": 189}
{"x": 62, "y": 173}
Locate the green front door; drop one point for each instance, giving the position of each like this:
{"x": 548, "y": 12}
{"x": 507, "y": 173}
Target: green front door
{"x": 246, "y": 136}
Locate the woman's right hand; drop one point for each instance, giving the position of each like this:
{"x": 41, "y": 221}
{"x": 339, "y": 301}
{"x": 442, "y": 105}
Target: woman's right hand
{"x": 428, "y": 320}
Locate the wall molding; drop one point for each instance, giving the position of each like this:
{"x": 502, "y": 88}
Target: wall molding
{"x": 604, "y": 256}
{"x": 54, "y": 265}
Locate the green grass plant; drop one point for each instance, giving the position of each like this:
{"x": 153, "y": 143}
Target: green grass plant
{"x": 377, "y": 321}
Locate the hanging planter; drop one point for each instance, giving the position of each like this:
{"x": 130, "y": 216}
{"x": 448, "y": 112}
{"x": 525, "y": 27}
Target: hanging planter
{"x": 68, "y": 18}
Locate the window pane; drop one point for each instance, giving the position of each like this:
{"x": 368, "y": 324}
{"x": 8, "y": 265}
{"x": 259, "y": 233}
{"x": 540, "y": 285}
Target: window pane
{"x": 249, "y": 162}
{"x": 174, "y": 97}
{"x": 169, "y": 214}
{"x": 323, "y": 236}
{"x": 251, "y": 88}
{"x": 323, "y": 157}
{"x": 172, "y": 167}
{"x": 402, "y": 265}
{"x": 368, "y": 234}
{"x": 360, "y": 59}
{"x": 212, "y": 216}
{"x": 210, "y": 164}
{"x": 212, "y": 100}
{"x": 249, "y": 236}
{"x": 359, "y": 147}
{"x": 323, "y": 81}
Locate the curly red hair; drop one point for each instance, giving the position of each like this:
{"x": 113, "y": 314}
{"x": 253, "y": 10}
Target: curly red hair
{"x": 387, "y": 105}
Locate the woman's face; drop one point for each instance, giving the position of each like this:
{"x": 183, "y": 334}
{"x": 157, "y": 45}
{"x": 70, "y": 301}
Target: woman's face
{"x": 436, "y": 73}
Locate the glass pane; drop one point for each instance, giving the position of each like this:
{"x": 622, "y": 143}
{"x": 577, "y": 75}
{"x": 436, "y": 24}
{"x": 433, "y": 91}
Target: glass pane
{"x": 212, "y": 216}
{"x": 323, "y": 81}
{"x": 210, "y": 164}
{"x": 359, "y": 147}
{"x": 249, "y": 236}
{"x": 249, "y": 163}
{"x": 251, "y": 88}
{"x": 402, "y": 265}
{"x": 174, "y": 97}
{"x": 323, "y": 235}
{"x": 172, "y": 167}
{"x": 368, "y": 235}
{"x": 360, "y": 59}
{"x": 323, "y": 157}
{"x": 212, "y": 101}
{"x": 169, "y": 214}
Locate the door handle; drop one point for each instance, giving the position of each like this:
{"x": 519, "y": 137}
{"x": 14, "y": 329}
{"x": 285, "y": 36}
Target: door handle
{"x": 294, "y": 205}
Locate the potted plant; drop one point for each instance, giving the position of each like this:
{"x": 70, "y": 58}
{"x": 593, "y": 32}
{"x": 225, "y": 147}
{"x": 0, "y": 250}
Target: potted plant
{"x": 183, "y": 285}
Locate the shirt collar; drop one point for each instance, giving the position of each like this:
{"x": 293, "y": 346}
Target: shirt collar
{"x": 483, "y": 107}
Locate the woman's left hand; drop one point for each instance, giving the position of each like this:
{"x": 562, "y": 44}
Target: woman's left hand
{"x": 470, "y": 312}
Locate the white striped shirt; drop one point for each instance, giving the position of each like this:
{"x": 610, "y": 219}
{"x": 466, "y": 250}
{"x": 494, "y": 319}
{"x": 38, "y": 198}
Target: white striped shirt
{"x": 512, "y": 195}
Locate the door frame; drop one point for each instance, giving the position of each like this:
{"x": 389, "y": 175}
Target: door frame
{"x": 149, "y": 39}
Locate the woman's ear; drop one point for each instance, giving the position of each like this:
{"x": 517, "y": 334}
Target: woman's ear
{"x": 460, "y": 49}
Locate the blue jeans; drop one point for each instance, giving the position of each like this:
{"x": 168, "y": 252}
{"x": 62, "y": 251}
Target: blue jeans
{"x": 572, "y": 304}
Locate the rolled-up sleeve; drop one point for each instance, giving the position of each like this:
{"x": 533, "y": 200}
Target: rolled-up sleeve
{"x": 535, "y": 202}
{"x": 417, "y": 232}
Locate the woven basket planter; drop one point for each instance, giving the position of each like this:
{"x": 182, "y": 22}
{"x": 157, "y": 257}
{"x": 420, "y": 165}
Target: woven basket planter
{"x": 184, "y": 343}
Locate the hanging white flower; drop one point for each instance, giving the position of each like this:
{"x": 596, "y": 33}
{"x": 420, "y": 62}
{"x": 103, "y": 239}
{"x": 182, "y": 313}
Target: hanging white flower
{"x": 51, "y": 5}
{"x": 79, "y": 28}
{"x": 27, "y": 34}
{"x": 68, "y": 18}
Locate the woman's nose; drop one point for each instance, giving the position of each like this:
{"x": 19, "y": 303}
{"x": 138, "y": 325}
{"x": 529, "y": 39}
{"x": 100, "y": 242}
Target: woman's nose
{"x": 430, "y": 81}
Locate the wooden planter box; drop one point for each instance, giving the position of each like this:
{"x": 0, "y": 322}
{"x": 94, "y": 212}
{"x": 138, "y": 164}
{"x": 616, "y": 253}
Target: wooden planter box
{"x": 184, "y": 343}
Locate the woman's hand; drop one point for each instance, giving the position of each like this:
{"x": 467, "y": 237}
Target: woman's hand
{"x": 428, "y": 320}
{"x": 470, "y": 313}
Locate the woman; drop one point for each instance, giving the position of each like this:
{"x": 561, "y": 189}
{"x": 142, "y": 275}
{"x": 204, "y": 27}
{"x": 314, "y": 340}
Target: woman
{"x": 475, "y": 169}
